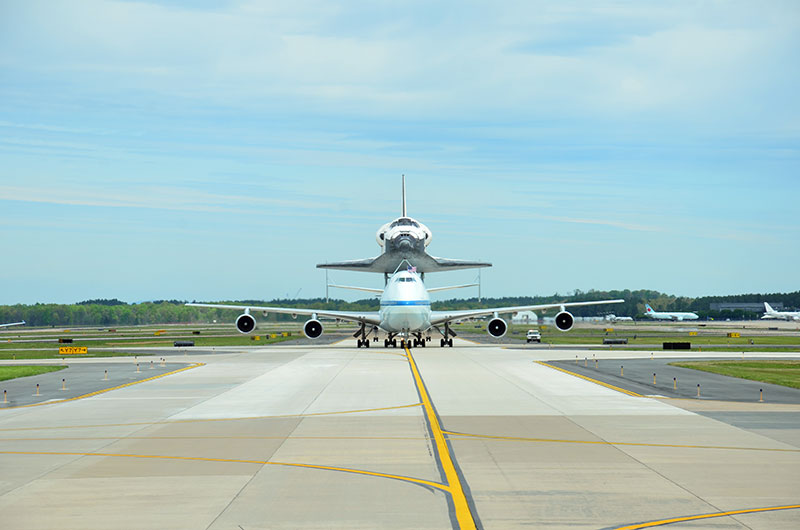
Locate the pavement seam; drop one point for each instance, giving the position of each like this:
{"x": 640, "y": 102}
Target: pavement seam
{"x": 461, "y": 505}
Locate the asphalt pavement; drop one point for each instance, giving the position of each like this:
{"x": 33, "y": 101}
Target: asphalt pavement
{"x": 636, "y": 375}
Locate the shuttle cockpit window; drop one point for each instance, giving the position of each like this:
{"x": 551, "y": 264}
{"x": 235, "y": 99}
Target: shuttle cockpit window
{"x": 404, "y": 221}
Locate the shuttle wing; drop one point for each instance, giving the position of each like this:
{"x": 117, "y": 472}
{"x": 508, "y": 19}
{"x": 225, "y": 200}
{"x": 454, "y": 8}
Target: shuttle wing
{"x": 389, "y": 262}
{"x": 440, "y": 317}
{"x": 367, "y": 317}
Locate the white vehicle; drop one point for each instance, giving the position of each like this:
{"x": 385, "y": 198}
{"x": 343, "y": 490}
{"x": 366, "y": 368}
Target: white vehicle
{"x": 779, "y": 315}
{"x": 404, "y": 239}
{"x": 405, "y": 312}
{"x": 533, "y": 335}
{"x": 667, "y": 315}
{"x": 614, "y": 318}
{"x": 12, "y": 324}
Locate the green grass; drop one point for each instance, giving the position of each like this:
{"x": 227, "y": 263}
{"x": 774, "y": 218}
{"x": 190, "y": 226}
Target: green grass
{"x": 786, "y": 373}
{"x": 49, "y": 350}
{"x": 12, "y": 372}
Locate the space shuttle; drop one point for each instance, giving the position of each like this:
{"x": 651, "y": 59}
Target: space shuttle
{"x": 404, "y": 239}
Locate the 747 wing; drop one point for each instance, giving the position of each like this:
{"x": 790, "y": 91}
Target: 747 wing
{"x": 497, "y": 327}
{"x": 246, "y": 323}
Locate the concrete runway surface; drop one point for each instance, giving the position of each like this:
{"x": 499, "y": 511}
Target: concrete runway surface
{"x": 331, "y": 436}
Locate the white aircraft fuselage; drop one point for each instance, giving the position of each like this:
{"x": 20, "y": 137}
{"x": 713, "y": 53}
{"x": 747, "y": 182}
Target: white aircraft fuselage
{"x": 669, "y": 315}
{"x": 771, "y": 314}
{"x": 405, "y": 304}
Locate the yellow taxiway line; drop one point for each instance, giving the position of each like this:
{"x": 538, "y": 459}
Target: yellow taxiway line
{"x": 413, "y": 480}
{"x": 98, "y": 392}
{"x": 601, "y": 442}
{"x": 595, "y": 381}
{"x": 208, "y": 420}
{"x": 651, "y": 524}
{"x": 454, "y": 487}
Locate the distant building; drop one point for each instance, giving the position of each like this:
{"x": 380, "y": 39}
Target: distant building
{"x": 756, "y": 307}
{"x": 525, "y": 317}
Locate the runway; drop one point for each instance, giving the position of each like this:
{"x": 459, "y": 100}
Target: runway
{"x": 331, "y": 436}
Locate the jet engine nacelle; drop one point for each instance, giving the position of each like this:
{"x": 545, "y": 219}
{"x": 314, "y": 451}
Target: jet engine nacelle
{"x": 564, "y": 320}
{"x": 312, "y": 329}
{"x": 497, "y": 327}
{"x": 245, "y": 323}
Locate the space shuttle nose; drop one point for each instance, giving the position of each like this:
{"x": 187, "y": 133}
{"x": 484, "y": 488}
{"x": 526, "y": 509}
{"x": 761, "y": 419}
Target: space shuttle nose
{"x": 405, "y": 242}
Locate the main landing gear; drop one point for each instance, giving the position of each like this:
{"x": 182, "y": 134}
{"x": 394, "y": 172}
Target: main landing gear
{"x": 446, "y": 340}
{"x": 417, "y": 341}
{"x": 390, "y": 340}
{"x": 364, "y": 336}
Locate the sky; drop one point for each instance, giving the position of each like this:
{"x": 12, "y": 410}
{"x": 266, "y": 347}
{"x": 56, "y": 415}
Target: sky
{"x": 220, "y": 150}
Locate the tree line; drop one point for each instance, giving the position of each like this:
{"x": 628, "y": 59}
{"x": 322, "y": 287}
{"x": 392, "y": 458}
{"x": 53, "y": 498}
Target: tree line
{"x": 105, "y": 312}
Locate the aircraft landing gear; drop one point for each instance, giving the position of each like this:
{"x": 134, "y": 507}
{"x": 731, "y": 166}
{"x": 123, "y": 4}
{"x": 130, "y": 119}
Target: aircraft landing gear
{"x": 446, "y": 340}
{"x": 364, "y": 335}
{"x": 390, "y": 341}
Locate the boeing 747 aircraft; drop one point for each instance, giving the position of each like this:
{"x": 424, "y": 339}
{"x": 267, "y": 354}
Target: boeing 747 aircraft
{"x": 667, "y": 315}
{"x": 405, "y": 312}
{"x": 779, "y": 315}
{"x": 12, "y": 324}
{"x": 404, "y": 239}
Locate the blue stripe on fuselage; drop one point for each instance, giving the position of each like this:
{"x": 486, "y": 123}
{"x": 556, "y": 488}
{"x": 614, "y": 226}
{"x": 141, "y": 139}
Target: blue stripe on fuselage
{"x": 405, "y": 302}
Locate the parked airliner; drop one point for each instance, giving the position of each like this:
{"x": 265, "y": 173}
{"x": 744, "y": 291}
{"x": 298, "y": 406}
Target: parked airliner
{"x": 405, "y": 312}
{"x": 669, "y": 315}
{"x": 779, "y": 315}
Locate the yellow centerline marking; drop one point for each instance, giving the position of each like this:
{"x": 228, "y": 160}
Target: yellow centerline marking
{"x": 414, "y": 480}
{"x": 454, "y": 487}
{"x": 600, "y": 442}
{"x": 705, "y": 516}
{"x": 595, "y": 381}
{"x": 98, "y": 392}
{"x": 205, "y": 420}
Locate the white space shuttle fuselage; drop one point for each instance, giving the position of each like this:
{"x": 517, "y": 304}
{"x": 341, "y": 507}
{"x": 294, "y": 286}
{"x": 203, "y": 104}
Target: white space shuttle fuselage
{"x": 404, "y": 239}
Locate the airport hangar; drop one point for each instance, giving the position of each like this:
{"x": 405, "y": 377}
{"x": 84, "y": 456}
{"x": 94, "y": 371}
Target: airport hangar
{"x": 330, "y": 436}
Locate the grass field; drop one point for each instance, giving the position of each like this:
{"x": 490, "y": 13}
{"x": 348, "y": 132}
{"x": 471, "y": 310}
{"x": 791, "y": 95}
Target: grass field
{"x": 706, "y": 340}
{"x": 786, "y": 373}
{"x": 12, "y": 372}
{"x": 121, "y": 343}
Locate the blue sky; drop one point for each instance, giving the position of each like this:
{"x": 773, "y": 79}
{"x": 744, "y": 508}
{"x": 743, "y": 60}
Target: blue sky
{"x": 219, "y": 150}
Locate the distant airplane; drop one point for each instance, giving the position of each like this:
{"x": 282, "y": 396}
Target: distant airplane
{"x": 403, "y": 239}
{"x": 779, "y": 315}
{"x": 614, "y": 318}
{"x": 405, "y": 312}
{"x": 668, "y": 315}
{"x": 12, "y": 324}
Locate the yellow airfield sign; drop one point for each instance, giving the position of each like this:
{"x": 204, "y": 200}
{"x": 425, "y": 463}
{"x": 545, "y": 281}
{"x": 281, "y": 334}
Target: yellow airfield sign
{"x": 72, "y": 350}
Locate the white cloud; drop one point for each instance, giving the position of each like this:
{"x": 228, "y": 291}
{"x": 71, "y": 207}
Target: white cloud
{"x": 522, "y": 59}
